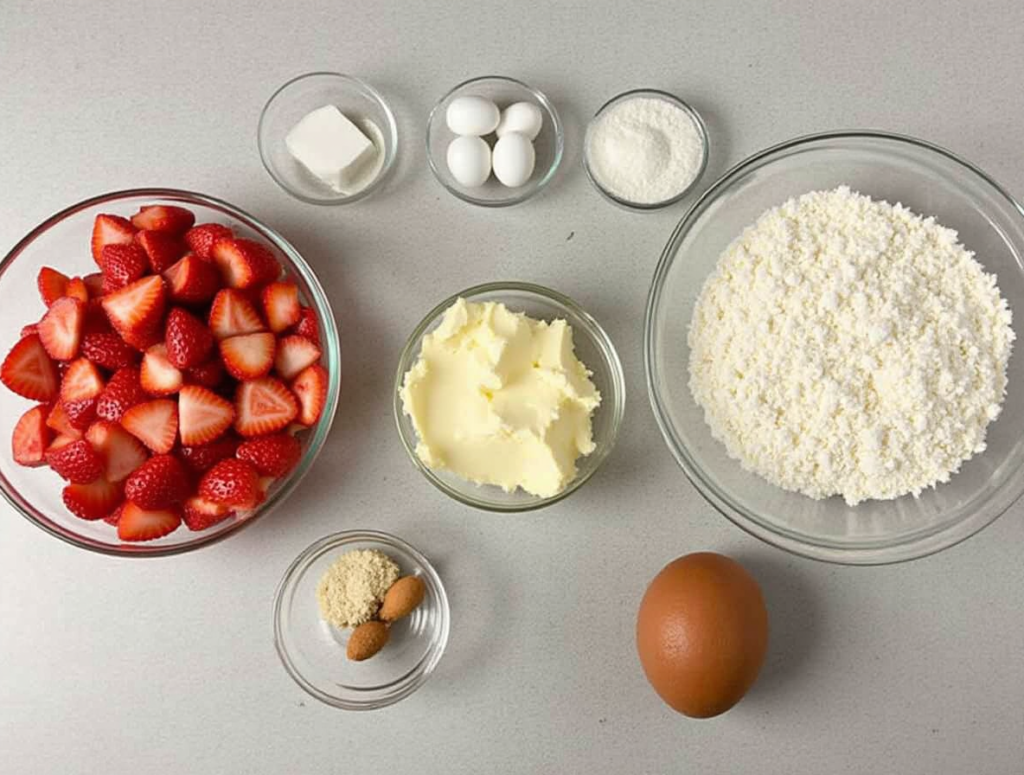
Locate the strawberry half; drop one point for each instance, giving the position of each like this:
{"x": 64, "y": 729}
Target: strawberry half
{"x": 310, "y": 387}
{"x": 274, "y": 455}
{"x": 136, "y": 310}
{"x": 52, "y": 285}
{"x": 281, "y": 305}
{"x": 209, "y": 374}
{"x": 121, "y": 452}
{"x": 75, "y": 461}
{"x": 203, "y": 457}
{"x": 294, "y": 354}
{"x": 58, "y": 420}
{"x": 201, "y": 238}
{"x": 60, "y": 330}
{"x": 108, "y": 350}
{"x": 232, "y": 483}
{"x": 122, "y": 265}
{"x": 159, "y": 483}
{"x": 76, "y": 289}
{"x": 188, "y": 340}
{"x": 94, "y": 500}
{"x": 232, "y": 314}
{"x": 162, "y": 249}
{"x": 308, "y": 326}
{"x": 202, "y": 415}
{"x": 248, "y": 356}
{"x": 122, "y": 392}
{"x": 192, "y": 280}
{"x": 138, "y": 524}
{"x": 263, "y": 406}
{"x": 244, "y": 263}
{"x": 31, "y": 437}
{"x": 159, "y": 377}
{"x": 169, "y": 218}
{"x": 82, "y": 381}
{"x": 93, "y": 284}
{"x": 110, "y": 230}
{"x": 29, "y": 372}
{"x": 200, "y": 513}
{"x": 154, "y": 423}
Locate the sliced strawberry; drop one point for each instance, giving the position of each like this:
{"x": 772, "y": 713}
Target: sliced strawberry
{"x": 310, "y": 387}
{"x": 52, "y": 285}
{"x": 77, "y": 289}
{"x": 121, "y": 452}
{"x": 161, "y": 248}
{"x": 93, "y": 284}
{"x": 159, "y": 377}
{"x": 94, "y": 500}
{"x": 233, "y": 483}
{"x": 57, "y": 419}
{"x": 136, "y": 310}
{"x": 138, "y": 524}
{"x": 81, "y": 414}
{"x": 308, "y": 326}
{"x": 202, "y": 415}
{"x": 199, "y": 513}
{"x": 232, "y": 314}
{"x": 201, "y": 238}
{"x": 244, "y": 263}
{"x": 32, "y": 329}
{"x": 29, "y": 372}
{"x": 122, "y": 265}
{"x": 274, "y": 455}
{"x": 281, "y": 305}
{"x": 188, "y": 340}
{"x": 203, "y": 457}
{"x": 81, "y": 381}
{"x": 108, "y": 350}
{"x": 110, "y": 230}
{"x": 122, "y": 392}
{"x": 31, "y": 437}
{"x": 263, "y": 406}
{"x": 209, "y": 374}
{"x": 169, "y": 218}
{"x": 248, "y": 356}
{"x": 76, "y": 461}
{"x": 192, "y": 280}
{"x": 60, "y": 330}
{"x": 61, "y": 441}
{"x": 115, "y": 516}
{"x": 294, "y": 353}
{"x": 154, "y": 423}
{"x": 159, "y": 483}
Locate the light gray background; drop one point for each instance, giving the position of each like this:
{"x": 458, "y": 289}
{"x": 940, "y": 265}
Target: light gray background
{"x": 168, "y": 666}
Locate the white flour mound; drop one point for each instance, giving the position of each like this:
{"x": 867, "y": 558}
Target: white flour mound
{"x": 849, "y": 347}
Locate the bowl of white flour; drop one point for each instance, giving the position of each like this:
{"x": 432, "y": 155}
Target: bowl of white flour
{"x": 829, "y": 346}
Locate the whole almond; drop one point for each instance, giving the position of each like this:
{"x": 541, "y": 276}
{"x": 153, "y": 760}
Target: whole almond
{"x": 366, "y": 640}
{"x": 401, "y": 598}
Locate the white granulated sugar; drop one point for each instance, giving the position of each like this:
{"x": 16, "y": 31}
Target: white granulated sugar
{"x": 849, "y": 347}
{"x": 645, "y": 150}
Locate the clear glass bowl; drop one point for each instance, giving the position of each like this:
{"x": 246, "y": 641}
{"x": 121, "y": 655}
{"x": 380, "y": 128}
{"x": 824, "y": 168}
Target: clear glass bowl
{"x": 62, "y": 241}
{"x": 593, "y": 347}
{"x": 698, "y": 123}
{"x": 548, "y": 145}
{"x": 930, "y": 181}
{"x": 356, "y": 99}
{"x": 313, "y": 651}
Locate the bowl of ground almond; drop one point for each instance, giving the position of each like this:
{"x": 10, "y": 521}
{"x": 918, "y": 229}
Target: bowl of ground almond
{"x": 829, "y": 347}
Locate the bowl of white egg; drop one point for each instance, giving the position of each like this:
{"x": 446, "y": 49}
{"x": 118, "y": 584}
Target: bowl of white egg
{"x": 494, "y": 141}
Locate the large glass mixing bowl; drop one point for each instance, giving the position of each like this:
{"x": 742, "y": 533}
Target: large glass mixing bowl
{"x": 928, "y": 180}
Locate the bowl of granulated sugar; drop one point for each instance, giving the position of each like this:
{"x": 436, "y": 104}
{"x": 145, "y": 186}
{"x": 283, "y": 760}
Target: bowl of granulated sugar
{"x": 645, "y": 149}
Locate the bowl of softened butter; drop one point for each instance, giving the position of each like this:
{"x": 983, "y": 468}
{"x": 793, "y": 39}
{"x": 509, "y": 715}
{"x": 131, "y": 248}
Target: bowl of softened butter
{"x": 508, "y": 396}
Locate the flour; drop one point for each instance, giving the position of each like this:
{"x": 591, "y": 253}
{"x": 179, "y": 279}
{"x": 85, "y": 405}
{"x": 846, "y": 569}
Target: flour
{"x": 645, "y": 150}
{"x": 849, "y": 347}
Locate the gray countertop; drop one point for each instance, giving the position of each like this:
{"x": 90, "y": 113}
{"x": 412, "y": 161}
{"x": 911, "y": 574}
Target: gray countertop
{"x": 168, "y": 665}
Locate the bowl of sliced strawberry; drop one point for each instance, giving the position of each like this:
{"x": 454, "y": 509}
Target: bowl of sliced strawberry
{"x": 172, "y": 370}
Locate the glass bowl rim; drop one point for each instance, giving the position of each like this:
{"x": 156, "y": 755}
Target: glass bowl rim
{"x": 332, "y": 351}
{"x": 915, "y": 547}
{"x": 540, "y": 185}
{"x": 423, "y": 669}
{"x": 594, "y": 331}
{"x": 390, "y": 132}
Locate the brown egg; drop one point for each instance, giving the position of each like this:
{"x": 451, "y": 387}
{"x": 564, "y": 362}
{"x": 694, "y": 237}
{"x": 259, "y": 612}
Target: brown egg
{"x": 702, "y": 633}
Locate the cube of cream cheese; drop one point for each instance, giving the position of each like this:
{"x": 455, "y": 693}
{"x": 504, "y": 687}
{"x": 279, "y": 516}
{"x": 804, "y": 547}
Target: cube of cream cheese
{"x": 331, "y": 147}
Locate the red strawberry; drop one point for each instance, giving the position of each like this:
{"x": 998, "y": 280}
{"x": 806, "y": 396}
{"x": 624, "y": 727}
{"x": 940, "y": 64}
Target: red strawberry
{"x": 81, "y": 381}
{"x": 201, "y": 238}
{"x": 122, "y": 392}
{"x": 58, "y": 420}
{"x": 308, "y": 326}
{"x": 192, "y": 280}
{"x": 76, "y": 461}
{"x": 77, "y": 290}
{"x": 138, "y": 524}
{"x": 263, "y": 406}
{"x": 281, "y": 305}
{"x": 202, "y": 415}
{"x": 115, "y": 516}
{"x": 29, "y": 372}
{"x": 121, "y": 452}
{"x": 31, "y": 437}
{"x": 273, "y": 455}
{"x": 52, "y": 285}
{"x": 200, "y": 514}
{"x": 108, "y": 350}
{"x": 95, "y": 500}
{"x": 28, "y": 330}
{"x": 93, "y": 284}
{"x": 244, "y": 263}
{"x": 158, "y": 483}
{"x": 248, "y": 356}
{"x": 136, "y": 310}
{"x": 161, "y": 248}
{"x": 163, "y": 218}
{"x": 203, "y": 457}
{"x": 311, "y": 389}
{"x": 233, "y": 483}
{"x": 232, "y": 314}
{"x": 159, "y": 377}
{"x": 95, "y": 321}
{"x": 209, "y": 374}
{"x": 60, "y": 330}
{"x": 122, "y": 265}
{"x": 154, "y": 423}
{"x": 294, "y": 353}
{"x": 188, "y": 339}
{"x": 110, "y": 230}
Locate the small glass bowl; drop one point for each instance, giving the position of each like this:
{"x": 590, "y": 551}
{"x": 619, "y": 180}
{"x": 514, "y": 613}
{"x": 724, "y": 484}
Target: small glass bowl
{"x": 356, "y": 99}
{"x": 313, "y": 651}
{"x": 698, "y": 122}
{"x": 593, "y": 347}
{"x": 548, "y": 145}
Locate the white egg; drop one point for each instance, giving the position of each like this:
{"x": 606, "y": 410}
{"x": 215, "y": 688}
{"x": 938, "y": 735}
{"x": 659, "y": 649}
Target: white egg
{"x": 513, "y": 159}
{"x": 524, "y": 117}
{"x": 469, "y": 160}
{"x": 472, "y": 116}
